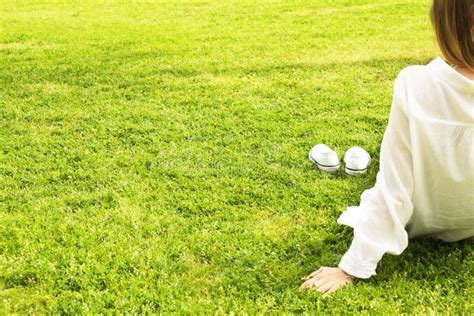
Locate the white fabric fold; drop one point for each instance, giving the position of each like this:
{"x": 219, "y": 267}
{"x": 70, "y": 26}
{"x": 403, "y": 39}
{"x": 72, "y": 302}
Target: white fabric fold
{"x": 425, "y": 183}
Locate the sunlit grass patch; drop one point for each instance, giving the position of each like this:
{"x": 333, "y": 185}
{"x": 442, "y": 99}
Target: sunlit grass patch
{"x": 154, "y": 156}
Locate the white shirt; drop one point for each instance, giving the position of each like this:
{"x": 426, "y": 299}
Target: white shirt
{"x": 425, "y": 184}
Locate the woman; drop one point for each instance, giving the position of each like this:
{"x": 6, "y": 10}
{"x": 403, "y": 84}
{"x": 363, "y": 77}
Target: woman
{"x": 425, "y": 185}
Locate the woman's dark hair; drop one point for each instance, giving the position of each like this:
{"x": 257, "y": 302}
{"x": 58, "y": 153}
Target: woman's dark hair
{"x": 453, "y": 24}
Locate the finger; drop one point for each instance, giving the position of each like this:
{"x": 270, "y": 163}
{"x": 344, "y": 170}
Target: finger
{"x": 307, "y": 278}
{"x": 339, "y": 286}
{"x": 321, "y": 283}
{"x": 315, "y": 273}
{"x": 306, "y": 284}
{"x": 324, "y": 286}
{"x": 321, "y": 275}
{"x": 333, "y": 289}
{"x": 303, "y": 286}
{"x": 325, "y": 274}
{"x": 313, "y": 283}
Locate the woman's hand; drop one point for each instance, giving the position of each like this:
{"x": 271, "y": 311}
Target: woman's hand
{"x": 327, "y": 280}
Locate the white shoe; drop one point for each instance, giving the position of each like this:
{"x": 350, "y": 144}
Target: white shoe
{"x": 324, "y": 158}
{"x": 357, "y": 160}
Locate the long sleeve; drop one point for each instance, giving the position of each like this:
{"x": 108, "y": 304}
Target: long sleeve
{"x": 379, "y": 222}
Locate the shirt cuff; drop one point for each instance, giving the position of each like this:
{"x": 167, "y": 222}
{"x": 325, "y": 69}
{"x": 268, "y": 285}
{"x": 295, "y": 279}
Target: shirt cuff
{"x": 355, "y": 267}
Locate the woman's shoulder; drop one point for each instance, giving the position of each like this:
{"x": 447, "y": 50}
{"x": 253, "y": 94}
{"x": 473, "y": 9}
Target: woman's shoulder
{"x": 434, "y": 90}
{"x": 414, "y": 73}
{"x": 436, "y": 74}
{"x": 414, "y": 85}
{"x": 417, "y": 78}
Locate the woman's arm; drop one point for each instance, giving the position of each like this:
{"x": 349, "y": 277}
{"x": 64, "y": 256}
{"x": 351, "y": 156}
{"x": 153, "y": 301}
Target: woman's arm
{"x": 379, "y": 222}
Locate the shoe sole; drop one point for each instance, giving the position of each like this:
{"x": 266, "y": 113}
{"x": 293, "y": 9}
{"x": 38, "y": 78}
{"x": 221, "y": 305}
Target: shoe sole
{"x": 329, "y": 169}
{"x": 355, "y": 172}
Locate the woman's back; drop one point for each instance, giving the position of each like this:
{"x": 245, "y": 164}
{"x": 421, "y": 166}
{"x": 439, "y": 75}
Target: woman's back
{"x": 440, "y": 108}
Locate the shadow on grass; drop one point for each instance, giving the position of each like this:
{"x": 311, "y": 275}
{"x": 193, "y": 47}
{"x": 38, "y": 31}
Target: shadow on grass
{"x": 429, "y": 259}
{"x": 425, "y": 259}
{"x": 371, "y": 63}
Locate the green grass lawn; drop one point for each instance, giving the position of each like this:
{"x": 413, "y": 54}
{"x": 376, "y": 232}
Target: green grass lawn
{"x": 154, "y": 156}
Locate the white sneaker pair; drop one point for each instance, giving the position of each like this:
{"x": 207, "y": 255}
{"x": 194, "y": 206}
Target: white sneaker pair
{"x": 356, "y": 159}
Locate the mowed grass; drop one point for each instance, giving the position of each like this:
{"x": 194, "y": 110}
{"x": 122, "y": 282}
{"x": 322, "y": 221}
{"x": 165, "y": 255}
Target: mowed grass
{"x": 154, "y": 156}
